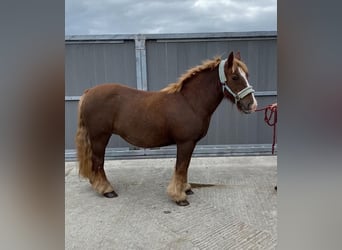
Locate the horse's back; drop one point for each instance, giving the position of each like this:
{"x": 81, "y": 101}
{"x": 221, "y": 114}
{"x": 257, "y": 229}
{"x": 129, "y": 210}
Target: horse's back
{"x": 107, "y": 90}
{"x": 110, "y": 94}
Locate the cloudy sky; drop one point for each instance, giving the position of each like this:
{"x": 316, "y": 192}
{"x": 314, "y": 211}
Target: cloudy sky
{"x": 92, "y": 17}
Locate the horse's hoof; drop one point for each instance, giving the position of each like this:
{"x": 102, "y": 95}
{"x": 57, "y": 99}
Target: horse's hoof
{"x": 182, "y": 203}
{"x": 189, "y": 192}
{"x": 110, "y": 194}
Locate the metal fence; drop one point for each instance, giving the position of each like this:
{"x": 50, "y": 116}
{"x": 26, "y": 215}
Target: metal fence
{"x": 150, "y": 62}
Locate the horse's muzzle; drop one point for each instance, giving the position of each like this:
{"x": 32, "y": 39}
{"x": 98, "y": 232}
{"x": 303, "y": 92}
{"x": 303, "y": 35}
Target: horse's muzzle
{"x": 247, "y": 109}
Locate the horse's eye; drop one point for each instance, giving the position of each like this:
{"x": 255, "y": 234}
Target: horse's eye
{"x": 235, "y": 77}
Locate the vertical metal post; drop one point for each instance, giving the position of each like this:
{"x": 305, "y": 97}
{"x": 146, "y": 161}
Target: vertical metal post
{"x": 140, "y": 61}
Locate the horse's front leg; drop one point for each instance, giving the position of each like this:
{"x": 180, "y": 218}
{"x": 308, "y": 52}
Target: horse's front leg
{"x": 188, "y": 189}
{"x": 178, "y": 185}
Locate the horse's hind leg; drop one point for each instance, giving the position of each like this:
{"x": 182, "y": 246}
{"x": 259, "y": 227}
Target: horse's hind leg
{"x": 187, "y": 188}
{"x": 99, "y": 180}
{"x": 178, "y": 186}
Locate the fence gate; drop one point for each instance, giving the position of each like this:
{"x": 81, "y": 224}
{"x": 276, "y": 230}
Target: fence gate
{"x": 151, "y": 61}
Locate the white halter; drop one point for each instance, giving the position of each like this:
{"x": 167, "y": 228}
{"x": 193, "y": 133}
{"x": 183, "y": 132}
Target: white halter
{"x": 241, "y": 94}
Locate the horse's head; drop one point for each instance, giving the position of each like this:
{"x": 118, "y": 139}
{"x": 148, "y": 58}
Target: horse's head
{"x": 234, "y": 79}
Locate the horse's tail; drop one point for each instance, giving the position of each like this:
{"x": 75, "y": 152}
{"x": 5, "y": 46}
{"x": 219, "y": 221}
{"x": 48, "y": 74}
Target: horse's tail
{"x": 83, "y": 145}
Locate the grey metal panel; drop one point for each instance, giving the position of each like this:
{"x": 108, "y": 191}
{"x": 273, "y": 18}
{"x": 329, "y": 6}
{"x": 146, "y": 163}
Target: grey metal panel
{"x": 87, "y": 65}
{"x": 70, "y": 124}
{"x": 167, "y": 61}
{"x": 229, "y": 126}
{"x": 261, "y": 59}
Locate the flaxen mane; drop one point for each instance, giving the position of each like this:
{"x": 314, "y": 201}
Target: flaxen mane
{"x": 208, "y": 64}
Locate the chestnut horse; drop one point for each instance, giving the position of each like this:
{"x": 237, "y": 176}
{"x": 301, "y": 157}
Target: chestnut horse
{"x": 178, "y": 114}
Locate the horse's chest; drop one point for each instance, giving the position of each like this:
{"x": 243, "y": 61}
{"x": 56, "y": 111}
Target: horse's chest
{"x": 205, "y": 127}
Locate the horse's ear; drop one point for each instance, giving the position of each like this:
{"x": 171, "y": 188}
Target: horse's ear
{"x": 238, "y": 56}
{"x": 230, "y": 59}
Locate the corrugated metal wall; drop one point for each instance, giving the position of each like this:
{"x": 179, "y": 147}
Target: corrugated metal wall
{"x": 150, "y": 62}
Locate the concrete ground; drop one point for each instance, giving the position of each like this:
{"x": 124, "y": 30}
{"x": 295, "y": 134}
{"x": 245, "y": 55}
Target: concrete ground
{"x": 234, "y": 206}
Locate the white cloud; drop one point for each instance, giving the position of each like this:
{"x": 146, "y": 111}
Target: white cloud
{"x": 178, "y": 16}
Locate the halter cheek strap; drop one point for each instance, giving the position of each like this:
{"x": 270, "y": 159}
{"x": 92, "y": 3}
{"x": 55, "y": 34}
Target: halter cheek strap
{"x": 241, "y": 94}
{"x": 222, "y": 75}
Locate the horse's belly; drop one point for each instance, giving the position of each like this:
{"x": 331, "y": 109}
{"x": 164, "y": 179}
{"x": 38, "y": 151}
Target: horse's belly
{"x": 146, "y": 139}
{"x": 144, "y": 133}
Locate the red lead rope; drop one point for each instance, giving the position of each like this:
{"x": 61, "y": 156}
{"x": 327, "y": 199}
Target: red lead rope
{"x": 271, "y": 112}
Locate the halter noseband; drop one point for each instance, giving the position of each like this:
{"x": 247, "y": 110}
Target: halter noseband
{"x": 241, "y": 94}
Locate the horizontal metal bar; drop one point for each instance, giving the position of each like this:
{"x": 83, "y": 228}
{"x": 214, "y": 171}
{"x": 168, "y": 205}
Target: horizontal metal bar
{"x": 72, "y": 98}
{"x": 207, "y": 35}
{"x": 170, "y": 151}
{"x": 211, "y": 35}
{"x": 94, "y": 42}
{"x": 223, "y": 39}
{"x": 265, "y": 93}
{"x": 100, "y": 37}
{"x": 257, "y": 93}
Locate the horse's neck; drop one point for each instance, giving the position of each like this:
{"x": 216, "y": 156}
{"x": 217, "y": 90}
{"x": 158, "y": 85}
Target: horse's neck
{"x": 203, "y": 92}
